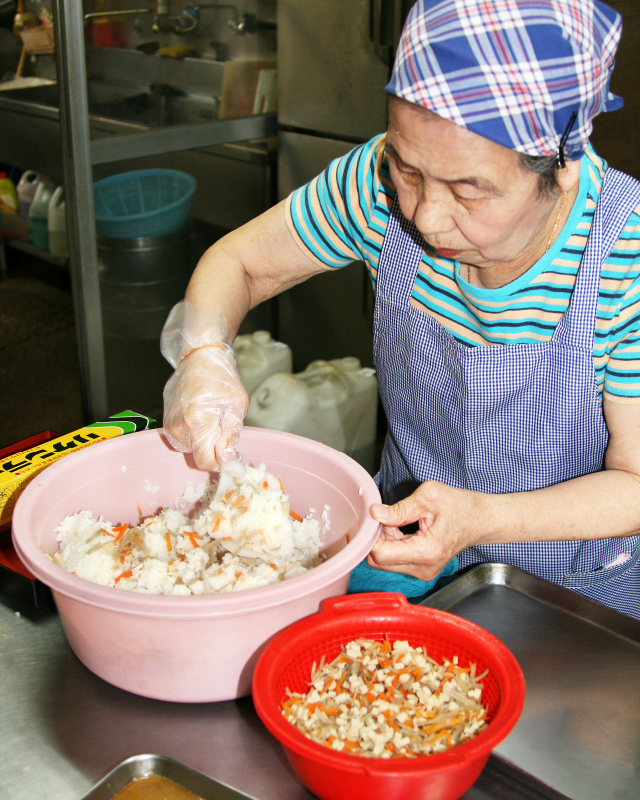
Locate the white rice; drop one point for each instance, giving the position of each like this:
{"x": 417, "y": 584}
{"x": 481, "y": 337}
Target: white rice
{"x": 241, "y": 536}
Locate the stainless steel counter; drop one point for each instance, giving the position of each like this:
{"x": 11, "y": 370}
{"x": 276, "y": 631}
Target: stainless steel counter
{"x": 579, "y": 732}
{"x": 62, "y": 728}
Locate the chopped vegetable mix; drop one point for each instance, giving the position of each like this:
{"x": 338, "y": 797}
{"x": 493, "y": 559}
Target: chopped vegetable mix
{"x": 383, "y": 701}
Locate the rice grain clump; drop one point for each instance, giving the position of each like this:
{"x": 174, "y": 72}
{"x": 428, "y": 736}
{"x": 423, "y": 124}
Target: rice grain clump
{"x": 243, "y": 535}
{"x": 380, "y": 701}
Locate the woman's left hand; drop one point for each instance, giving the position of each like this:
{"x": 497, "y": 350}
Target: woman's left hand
{"x": 449, "y": 521}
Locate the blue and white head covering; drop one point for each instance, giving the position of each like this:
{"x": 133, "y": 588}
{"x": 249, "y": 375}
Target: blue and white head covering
{"x": 527, "y": 74}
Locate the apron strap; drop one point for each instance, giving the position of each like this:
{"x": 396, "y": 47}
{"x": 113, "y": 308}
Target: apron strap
{"x": 400, "y": 257}
{"x": 619, "y": 196}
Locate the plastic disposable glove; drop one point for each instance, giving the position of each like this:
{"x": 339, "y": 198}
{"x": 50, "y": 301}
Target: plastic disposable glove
{"x": 204, "y": 400}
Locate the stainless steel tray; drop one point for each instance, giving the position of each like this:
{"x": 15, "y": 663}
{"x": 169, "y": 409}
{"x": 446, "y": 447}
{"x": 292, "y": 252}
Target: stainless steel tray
{"x": 579, "y": 734}
{"x": 144, "y": 765}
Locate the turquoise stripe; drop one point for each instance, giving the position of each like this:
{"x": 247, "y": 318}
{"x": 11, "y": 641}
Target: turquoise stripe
{"x": 361, "y": 192}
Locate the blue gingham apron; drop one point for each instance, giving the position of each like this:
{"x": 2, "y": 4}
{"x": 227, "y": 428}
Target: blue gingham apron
{"x": 508, "y": 418}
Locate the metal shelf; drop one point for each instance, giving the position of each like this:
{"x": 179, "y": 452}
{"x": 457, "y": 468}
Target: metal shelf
{"x": 25, "y": 247}
{"x": 79, "y": 154}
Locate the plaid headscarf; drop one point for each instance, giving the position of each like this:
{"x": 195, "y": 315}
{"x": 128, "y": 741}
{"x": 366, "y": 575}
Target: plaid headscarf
{"x": 519, "y": 72}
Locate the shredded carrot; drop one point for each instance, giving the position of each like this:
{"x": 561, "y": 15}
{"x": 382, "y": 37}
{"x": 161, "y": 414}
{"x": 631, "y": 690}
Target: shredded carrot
{"x": 139, "y": 510}
{"x": 120, "y": 530}
{"x": 192, "y": 538}
{"x": 122, "y": 559}
{"x": 391, "y": 748}
{"x": 168, "y": 538}
{"x": 346, "y": 536}
{"x": 351, "y": 745}
{"x": 140, "y": 542}
{"x": 238, "y": 574}
{"x": 265, "y": 484}
{"x": 281, "y": 486}
{"x": 107, "y": 532}
{"x": 217, "y": 523}
{"x": 126, "y": 574}
{"x": 273, "y": 566}
{"x": 296, "y": 516}
{"x": 330, "y": 712}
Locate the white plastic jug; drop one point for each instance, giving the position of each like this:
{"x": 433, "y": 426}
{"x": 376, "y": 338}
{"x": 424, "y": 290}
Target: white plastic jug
{"x": 57, "y": 224}
{"x": 333, "y": 402}
{"x": 39, "y": 213}
{"x": 26, "y": 189}
{"x": 258, "y": 356}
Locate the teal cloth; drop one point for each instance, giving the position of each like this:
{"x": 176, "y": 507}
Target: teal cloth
{"x": 367, "y": 579}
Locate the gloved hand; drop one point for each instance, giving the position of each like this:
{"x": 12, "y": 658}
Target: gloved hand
{"x": 204, "y": 400}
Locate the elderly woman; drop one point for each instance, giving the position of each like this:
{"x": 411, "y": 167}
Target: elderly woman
{"x": 506, "y": 261}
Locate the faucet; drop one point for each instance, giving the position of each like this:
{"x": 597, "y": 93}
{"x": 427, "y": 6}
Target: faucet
{"x": 185, "y": 22}
{"x": 96, "y": 14}
{"x": 239, "y": 23}
{"x": 160, "y": 13}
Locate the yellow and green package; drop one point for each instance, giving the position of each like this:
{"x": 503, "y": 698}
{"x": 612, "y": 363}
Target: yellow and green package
{"x": 18, "y": 470}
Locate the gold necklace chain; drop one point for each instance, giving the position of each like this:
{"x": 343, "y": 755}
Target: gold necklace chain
{"x": 555, "y": 224}
{"x": 553, "y": 230}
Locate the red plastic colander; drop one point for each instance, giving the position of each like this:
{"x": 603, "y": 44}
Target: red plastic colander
{"x": 331, "y": 775}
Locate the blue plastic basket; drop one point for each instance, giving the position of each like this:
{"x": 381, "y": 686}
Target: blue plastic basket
{"x": 148, "y": 202}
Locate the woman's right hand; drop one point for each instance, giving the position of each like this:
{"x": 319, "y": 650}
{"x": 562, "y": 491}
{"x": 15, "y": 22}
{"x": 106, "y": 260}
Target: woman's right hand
{"x": 204, "y": 400}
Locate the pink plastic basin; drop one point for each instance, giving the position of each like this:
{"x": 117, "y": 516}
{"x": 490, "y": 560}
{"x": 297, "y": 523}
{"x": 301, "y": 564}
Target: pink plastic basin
{"x": 188, "y": 649}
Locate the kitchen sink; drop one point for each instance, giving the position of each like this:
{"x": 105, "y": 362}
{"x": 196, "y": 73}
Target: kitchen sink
{"x": 132, "y": 93}
{"x": 159, "y": 105}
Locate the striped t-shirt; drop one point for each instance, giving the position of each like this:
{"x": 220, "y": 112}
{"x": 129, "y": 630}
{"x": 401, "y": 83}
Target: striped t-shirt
{"x": 342, "y": 216}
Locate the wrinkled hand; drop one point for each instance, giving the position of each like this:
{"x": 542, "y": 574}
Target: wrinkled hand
{"x": 204, "y": 400}
{"x": 449, "y": 520}
{"x": 204, "y": 405}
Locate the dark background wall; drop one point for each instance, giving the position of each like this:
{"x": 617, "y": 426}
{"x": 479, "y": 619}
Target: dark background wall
{"x": 616, "y": 136}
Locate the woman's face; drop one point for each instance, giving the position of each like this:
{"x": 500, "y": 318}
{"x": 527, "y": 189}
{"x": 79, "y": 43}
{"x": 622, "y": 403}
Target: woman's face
{"x": 469, "y": 197}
